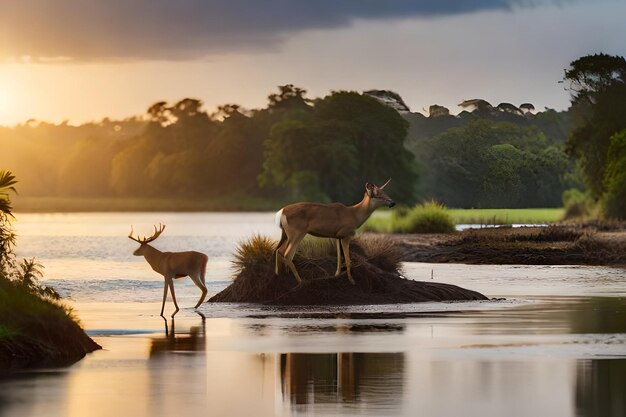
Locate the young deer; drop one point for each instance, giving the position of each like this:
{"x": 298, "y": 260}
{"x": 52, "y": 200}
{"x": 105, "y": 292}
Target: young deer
{"x": 326, "y": 220}
{"x": 173, "y": 265}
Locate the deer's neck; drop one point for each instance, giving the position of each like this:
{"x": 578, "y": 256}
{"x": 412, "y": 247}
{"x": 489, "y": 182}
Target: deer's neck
{"x": 153, "y": 257}
{"x": 363, "y": 210}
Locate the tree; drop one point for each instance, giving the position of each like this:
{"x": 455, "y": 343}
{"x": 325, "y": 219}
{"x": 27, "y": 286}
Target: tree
{"x": 348, "y": 140}
{"x": 438, "y": 111}
{"x": 598, "y": 85}
{"x": 614, "y": 200}
{"x": 7, "y": 183}
{"x": 316, "y": 161}
{"x": 7, "y": 237}
{"x": 288, "y": 96}
{"x": 509, "y": 108}
{"x": 493, "y": 164}
{"x": 591, "y": 75}
{"x": 526, "y": 107}
{"x": 477, "y": 105}
{"x": 159, "y": 113}
{"x": 501, "y": 186}
{"x": 379, "y": 138}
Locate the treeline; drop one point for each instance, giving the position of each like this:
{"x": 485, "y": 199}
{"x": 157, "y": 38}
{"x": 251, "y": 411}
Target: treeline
{"x": 296, "y": 148}
{"x": 487, "y": 156}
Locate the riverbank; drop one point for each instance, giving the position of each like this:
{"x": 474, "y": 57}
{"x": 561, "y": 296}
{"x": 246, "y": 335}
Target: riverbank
{"x": 553, "y": 245}
{"x": 36, "y": 332}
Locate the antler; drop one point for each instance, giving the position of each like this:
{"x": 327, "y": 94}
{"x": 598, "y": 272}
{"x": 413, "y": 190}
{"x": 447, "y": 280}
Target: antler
{"x": 144, "y": 240}
{"x": 384, "y": 185}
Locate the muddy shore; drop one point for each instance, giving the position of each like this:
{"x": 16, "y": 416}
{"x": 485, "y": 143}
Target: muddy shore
{"x": 554, "y": 245}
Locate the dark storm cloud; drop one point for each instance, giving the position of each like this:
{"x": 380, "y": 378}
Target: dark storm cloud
{"x": 187, "y": 29}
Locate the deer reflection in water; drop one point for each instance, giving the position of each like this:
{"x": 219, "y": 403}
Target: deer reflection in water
{"x": 191, "y": 341}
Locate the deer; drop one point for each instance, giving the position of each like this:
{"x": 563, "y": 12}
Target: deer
{"x": 172, "y": 265}
{"x": 333, "y": 220}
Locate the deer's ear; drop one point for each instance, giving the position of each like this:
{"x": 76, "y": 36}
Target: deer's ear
{"x": 369, "y": 188}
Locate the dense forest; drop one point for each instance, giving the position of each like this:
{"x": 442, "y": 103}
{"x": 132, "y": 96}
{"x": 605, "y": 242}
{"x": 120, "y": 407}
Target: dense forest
{"x": 325, "y": 149}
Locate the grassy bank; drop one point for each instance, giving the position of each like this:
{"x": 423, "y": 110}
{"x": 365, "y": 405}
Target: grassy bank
{"x": 431, "y": 219}
{"x": 35, "y": 328}
{"x": 37, "y": 331}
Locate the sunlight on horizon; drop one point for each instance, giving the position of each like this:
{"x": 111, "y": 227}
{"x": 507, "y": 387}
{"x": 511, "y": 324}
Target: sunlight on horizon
{"x": 5, "y": 99}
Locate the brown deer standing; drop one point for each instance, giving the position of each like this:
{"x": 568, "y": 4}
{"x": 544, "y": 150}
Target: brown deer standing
{"x": 173, "y": 265}
{"x": 333, "y": 220}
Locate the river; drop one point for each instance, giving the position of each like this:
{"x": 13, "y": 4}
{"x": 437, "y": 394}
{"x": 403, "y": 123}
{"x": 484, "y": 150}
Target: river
{"x": 553, "y": 343}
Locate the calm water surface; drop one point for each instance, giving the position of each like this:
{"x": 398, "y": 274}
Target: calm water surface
{"x": 555, "y": 347}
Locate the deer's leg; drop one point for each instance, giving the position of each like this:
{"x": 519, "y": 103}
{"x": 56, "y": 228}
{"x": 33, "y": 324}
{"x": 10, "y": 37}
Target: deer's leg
{"x": 338, "y": 258}
{"x": 283, "y": 238}
{"x": 171, "y": 285}
{"x": 164, "y": 296}
{"x": 290, "y": 253}
{"x": 198, "y": 281}
{"x": 345, "y": 244}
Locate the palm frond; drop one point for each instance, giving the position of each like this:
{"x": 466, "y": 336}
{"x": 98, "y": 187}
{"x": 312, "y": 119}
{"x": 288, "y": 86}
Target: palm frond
{"x": 7, "y": 182}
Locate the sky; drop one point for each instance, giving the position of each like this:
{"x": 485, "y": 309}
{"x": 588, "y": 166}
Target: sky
{"x": 83, "y": 61}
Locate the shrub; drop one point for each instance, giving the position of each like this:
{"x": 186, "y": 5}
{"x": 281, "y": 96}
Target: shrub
{"x": 429, "y": 217}
{"x": 577, "y": 204}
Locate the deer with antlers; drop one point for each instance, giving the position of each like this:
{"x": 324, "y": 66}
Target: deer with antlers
{"x": 334, "y": 220}
{"x": 172, "y": 265}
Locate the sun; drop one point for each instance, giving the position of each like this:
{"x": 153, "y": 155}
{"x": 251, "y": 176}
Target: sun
{"x": 7, "y": 104}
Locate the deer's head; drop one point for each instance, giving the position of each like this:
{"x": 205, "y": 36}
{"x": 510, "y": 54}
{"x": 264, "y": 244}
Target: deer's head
{"x": 378, "y": 196}
{"x": 144, "y": 241}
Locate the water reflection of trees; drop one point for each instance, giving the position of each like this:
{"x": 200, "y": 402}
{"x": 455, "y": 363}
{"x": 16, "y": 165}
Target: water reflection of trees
{"x": 600, "y": 384}
{"x": 599, "y": 315}
{"x": 368, "y": 378}
{"x": 600, "y": 388}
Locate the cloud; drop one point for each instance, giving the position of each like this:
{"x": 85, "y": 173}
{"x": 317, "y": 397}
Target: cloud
{"x": 58, "y": 30}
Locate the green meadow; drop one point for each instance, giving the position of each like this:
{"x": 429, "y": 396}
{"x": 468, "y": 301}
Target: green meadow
{"x": 385, "y": 221}
{"x": 506, "y": 216}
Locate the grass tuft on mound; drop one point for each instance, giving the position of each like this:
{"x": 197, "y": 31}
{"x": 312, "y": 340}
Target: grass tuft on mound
{"x": 376, "y": 268}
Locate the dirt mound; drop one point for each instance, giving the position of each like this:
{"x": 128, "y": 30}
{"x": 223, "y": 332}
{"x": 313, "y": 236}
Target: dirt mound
{"x": 553, "y": 245}
{"x": 375, "y": 269}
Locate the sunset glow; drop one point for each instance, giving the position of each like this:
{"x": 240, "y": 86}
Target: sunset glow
{"x": 90, "y": 76}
